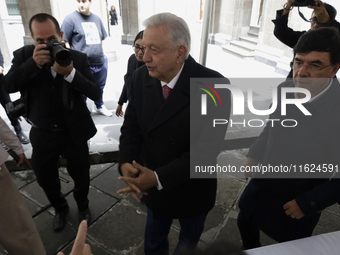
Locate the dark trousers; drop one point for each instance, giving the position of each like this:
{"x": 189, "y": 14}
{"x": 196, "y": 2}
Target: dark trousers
{"x": 156, "y": 235}
{"x": 100, "y": 73}
{"x": 47, "y": 147}
{"x": 278, "y": 226}
{"x": 250, "y": 233}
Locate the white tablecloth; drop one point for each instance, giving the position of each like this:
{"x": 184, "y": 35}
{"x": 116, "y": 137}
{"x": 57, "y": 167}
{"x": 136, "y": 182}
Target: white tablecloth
{"x": 325, "y": 244}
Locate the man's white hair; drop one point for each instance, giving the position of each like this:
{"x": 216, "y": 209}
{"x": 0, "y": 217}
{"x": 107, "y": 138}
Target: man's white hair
{"x": 178, "y": 30}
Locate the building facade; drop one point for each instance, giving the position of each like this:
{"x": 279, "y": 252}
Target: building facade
{"x": 241, "y": 27}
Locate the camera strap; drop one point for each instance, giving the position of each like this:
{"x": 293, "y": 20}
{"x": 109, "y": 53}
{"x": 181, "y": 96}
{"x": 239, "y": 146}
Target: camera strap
{"x": 302, "y": 16}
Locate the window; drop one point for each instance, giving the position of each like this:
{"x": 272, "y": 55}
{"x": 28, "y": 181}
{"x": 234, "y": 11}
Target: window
{"x": 12, "y": 7}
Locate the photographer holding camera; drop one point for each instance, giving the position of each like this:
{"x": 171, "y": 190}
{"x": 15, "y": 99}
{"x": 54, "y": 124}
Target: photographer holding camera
{"x": 323, "y": 16}
{"x": 53, "y": 80}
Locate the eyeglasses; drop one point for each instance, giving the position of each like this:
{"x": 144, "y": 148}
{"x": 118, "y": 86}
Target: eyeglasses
{"x": 137, "y": 48}
{"x": 309, "y": 67}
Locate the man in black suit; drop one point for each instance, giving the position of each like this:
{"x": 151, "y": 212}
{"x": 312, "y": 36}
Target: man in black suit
{"x": 155, "y": 145}
{"x": 323, "y": 16}
{"x": 61, "y": 122}
{"x": 289, "y": 207}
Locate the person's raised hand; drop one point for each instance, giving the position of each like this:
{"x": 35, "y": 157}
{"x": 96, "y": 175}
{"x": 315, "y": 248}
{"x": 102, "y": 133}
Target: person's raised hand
{"x": 79, "y": 246}
{"x": 320, "y": 12}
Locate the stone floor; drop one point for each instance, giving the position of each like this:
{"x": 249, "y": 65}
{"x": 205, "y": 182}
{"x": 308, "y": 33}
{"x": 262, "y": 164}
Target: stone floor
{"x": 119, "y": 221}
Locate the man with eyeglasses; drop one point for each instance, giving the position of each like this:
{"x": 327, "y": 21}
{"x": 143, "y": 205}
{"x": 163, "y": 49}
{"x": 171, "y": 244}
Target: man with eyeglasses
{"x": 289, "y": 206}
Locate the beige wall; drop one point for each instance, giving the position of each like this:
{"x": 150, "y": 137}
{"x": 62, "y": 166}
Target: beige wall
{"x": 224, "y": 16}
{"x": 189, "y": 10}
{"x": 230, "y": 19}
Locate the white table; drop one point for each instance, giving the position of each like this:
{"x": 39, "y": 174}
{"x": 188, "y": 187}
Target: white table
{"x": 325, "y": 244}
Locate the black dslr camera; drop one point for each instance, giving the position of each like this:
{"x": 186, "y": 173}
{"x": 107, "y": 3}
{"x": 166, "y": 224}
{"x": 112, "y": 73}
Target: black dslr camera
{"x": 17, "y": 108}
{"x": 304, "y": 2}
{"x": 59, "y": 52}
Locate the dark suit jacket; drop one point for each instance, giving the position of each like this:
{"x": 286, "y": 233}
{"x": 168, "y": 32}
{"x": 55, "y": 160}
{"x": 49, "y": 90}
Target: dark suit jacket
{"x": 36, "y": 83}
{"x": 157, "y": 133}
{"x": 1, "y": 59}
{"x": 313, "y": 141}
{"x": 132, "y": 65}
{"x": 287, "y": 35}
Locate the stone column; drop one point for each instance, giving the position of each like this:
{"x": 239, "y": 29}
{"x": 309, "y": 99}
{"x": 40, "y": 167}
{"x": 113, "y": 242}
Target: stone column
{"x": 129, "y": 10}
{"x": 223, "y": 21}
{"x": 27, "y": 10}
{"x": 242, "y": 16}
{"x": 3, "y": 45}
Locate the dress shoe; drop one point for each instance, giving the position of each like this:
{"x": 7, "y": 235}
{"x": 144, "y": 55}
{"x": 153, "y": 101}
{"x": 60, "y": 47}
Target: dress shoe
{"x": 85, "y": 215}
{"x": 21, "y": 135}
{"x": 59, "y": 220}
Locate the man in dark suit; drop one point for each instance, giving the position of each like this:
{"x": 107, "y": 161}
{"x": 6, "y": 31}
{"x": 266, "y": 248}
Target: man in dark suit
{"x": 289, "y": 207}
{"x": 155, "y": 145}
{"x": 61, "y": 122}
{"x": 323, "y": 16}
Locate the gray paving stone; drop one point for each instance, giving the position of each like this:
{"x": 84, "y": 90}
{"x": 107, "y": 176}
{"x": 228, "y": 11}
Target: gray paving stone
{"x": 229, "y": 231}
{"x": 27, "y": 175}
{"x": 32, "y": 207}
{"x": 213, "y": 223}
{"x": 96, "y": 248}
{"x": 35, "y": 193}
{"x": 99, "y": 204}
{"x": 328, "y": 223}
{"x": 109, "y": 183}
{"x": 231, "y": 134}
{"x": 334, "y": 209}
{"x": 228, "y": 191}
{"x": 120, "y": 230}
{"x": 19, "y": 183}
{"x": 96, "y": 170}
{"x": 140, "y": 207}
{"x": 232, "y": 160}
{"x": 53, "y": 241}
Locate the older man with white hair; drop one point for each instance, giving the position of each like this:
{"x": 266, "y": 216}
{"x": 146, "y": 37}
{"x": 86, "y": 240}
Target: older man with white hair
{"x": 155, "y": 143}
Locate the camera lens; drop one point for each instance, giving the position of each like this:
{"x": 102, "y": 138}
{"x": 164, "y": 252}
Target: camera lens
{"x": 63, "y": 57}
